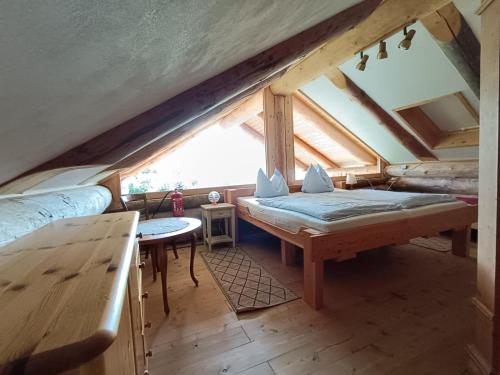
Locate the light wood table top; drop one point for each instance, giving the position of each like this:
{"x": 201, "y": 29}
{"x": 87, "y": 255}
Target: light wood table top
{"x": 62, "y": 289}
{"x": 218, "y": 206}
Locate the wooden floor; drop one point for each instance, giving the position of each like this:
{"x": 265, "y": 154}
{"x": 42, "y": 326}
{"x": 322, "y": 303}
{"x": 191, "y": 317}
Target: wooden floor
{"x": 400, "y": 310}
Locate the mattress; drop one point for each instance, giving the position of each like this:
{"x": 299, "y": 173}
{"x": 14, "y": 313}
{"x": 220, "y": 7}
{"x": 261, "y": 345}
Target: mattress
{"x": 294, "y": 221}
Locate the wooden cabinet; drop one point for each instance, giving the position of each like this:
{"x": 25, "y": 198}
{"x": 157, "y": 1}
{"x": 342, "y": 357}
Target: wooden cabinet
{"x": 137, "y": 310}
{"x": 127, "y": 354}
{"x": 225, "y": 211}
{"x": 81, "y": 304}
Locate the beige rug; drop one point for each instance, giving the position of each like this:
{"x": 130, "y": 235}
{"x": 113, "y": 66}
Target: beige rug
{"x": 246, "y": 285}
{"x": 441, "y": 244}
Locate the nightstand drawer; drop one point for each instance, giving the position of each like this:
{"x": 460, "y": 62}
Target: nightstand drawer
{"x": 220, "y": 214}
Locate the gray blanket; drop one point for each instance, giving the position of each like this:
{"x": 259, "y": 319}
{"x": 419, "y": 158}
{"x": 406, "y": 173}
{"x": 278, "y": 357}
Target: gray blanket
{"x": 342, "y": 204}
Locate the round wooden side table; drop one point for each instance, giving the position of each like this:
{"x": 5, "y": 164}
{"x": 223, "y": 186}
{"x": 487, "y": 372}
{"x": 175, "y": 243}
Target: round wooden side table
{"x": 158, "y": 241}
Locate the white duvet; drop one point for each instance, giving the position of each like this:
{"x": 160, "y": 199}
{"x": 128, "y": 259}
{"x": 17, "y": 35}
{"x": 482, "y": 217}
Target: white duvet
{"x": 342, "y": 204}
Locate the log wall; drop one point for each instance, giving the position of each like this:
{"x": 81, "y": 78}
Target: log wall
{"x": 458, "y": 177}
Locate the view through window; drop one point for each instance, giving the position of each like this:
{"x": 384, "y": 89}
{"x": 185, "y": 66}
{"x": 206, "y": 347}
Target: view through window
{"x": 216, "y": 156}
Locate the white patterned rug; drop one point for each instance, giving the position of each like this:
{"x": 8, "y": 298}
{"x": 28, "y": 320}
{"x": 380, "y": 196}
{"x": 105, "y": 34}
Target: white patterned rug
{"x": 246, "y": 285}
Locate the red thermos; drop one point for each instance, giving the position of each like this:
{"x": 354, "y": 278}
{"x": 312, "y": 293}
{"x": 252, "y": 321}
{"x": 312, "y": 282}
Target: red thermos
{"x": 177, "y": 204}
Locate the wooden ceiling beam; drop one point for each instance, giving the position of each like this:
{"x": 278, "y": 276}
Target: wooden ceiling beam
{"x": 244, "y": 111}
{"x": 389, "y": 17}
{"x": 209, "y": 96}
{"x": 422, "y": 125}
{"x": 318, "y": 155}
{"x": 307, "y": 147}
{"x": 337, "y": 124}
{"x": 260, "y": 137}
{"x": 457, "y": 41}
{"x": 278, "y": 134}
{"x": 330, "y": 130}
{"x": 383, "y": 118}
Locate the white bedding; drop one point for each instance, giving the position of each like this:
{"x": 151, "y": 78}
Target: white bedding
{"x": 294, "y": 221}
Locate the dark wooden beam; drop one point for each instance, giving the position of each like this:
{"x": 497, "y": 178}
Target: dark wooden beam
{"x": 422, "y": 125}
{"x": 208, "y": 96}
{"x": 457, "y": 41}
{"x": 383, "y": 118}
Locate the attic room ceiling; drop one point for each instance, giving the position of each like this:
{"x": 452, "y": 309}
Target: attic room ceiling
{"x": 73, "y": 69}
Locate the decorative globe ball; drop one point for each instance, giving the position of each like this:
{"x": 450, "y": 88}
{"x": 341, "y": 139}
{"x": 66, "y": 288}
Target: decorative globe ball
{"x": 213, "y": 197}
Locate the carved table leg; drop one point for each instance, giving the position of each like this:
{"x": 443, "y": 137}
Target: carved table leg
{"x": 174, "y": 247}
{"x": 191, "y": 261}
{"x": 157, "y": 262}
{"x": 163, "y": 270}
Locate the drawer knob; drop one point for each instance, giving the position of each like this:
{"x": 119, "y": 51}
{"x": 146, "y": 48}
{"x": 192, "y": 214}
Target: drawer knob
{"x": 142, "y": 265}
{"x": 145, "y": 295}
{"x": 146, "y": 372}
{"x": 138, "y": 235}
{"x": 149, "y": 353}
{"x": 147, "y": 325}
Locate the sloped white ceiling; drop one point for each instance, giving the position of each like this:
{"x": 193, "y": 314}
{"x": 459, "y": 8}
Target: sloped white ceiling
{"x": 72, "y": 69}
{"x": 406, "y": 77}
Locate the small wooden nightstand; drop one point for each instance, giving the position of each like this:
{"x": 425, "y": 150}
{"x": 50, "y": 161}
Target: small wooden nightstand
{"x": 224, "y": 211}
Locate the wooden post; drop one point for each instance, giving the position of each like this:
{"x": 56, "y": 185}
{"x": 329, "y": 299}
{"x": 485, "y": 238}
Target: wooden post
{"x": 278, "y": 133}
{"x": 313, "y": 279}
{"x": 460, "y": 242}
{"x": 484, "y": 352}
{"x": 288, "y": 253}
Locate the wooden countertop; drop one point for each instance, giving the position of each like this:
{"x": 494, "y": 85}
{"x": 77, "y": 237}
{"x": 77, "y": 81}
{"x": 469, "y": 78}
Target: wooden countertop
{"x": 62, "y": 289}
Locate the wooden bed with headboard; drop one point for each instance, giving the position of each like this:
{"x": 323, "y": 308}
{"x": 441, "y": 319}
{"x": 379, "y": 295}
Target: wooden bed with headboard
{"x": 346, "y": 243}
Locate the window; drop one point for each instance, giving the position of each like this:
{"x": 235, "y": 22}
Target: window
{"x": 215, "y": 156}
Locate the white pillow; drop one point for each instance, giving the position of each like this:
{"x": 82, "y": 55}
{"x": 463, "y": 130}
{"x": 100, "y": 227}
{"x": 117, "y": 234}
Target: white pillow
{"x": 269, "y": 188}
{"x": 315, "y": 181}
{"x": 279, "y": 183}
{"x": 325, "y": 177}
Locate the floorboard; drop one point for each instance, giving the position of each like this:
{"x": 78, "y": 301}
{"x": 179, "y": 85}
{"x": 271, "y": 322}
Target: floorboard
{"x": 397, "y": 310}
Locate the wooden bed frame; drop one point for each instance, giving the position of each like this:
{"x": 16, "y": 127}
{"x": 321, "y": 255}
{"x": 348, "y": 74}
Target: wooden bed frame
{"x": 345, "y": 244}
